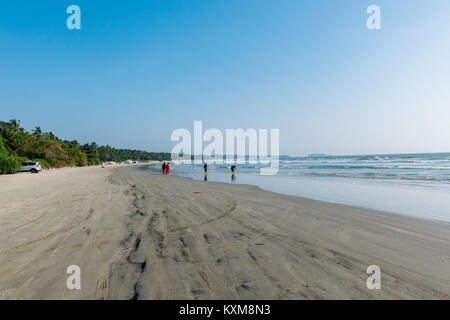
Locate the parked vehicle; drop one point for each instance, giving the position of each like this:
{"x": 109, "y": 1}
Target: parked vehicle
{"x": 31, "y": 166}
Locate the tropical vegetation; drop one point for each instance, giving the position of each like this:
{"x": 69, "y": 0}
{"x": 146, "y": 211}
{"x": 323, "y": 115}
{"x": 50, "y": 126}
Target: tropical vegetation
{"x": 17, "y": 145}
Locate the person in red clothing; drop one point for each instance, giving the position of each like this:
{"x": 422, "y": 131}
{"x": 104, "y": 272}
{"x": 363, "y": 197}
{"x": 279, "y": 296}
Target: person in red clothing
{"x": 167, "y": 168}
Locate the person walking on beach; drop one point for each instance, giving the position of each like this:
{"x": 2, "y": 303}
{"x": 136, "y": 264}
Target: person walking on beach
{"x": 205, "y": 168}
{"x": 163, "y": 168}
{"x": 167, "y": 168}
{"x": 233, "y": 169}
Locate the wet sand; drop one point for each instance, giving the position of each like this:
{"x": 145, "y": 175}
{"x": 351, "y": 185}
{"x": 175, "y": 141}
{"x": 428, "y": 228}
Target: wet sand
{"x": 141, "y": 235}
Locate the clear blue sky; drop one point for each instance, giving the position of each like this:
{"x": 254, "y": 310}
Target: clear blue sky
{"x": 139, "y": 69}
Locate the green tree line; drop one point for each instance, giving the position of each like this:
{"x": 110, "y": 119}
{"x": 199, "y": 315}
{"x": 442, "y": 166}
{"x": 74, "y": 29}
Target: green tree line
{"x": 17, "y": 145}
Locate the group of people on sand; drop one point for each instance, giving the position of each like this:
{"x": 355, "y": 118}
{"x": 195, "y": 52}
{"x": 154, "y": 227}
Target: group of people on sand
{"x": 165, "y": 168}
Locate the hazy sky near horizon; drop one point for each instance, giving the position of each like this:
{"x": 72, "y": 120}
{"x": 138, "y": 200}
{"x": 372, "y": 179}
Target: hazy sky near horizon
{"x": 137, "y": 70}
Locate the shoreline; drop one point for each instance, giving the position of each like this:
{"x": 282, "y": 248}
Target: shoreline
{"x": 422, "y": 217}
{"x": 150, "y": 236}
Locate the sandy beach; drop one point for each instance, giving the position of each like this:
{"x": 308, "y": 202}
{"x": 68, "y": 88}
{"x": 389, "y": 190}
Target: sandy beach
{"x": 136, "y": 234}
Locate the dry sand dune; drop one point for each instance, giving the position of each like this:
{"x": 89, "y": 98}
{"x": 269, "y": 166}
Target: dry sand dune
{"x": 141, "y": 235}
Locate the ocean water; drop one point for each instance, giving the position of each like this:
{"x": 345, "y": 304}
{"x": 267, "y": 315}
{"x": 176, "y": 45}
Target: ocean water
{"x": 417, "y": 185}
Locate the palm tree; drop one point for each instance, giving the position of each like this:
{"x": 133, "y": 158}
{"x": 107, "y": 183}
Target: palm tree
{"x": 50, "y": 136}
{"x": 14, "y": 125}
{"x": 37, "y": 132}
